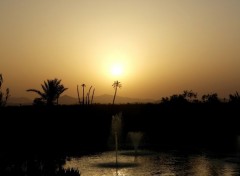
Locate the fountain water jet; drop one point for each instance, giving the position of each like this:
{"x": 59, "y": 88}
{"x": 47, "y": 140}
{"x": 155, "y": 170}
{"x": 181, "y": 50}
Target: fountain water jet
{"x": 135, "y": 138}
{"x": 116, "y": 129}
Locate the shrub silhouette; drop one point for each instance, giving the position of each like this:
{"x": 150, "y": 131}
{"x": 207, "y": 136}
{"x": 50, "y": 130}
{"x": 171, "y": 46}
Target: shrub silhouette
{"x": 52, "y": 89}
{"x": 185, "y": 97}
{"x": 3, "y": 99}
{"x": 234, "y": 98}
{"x": 211, "y": 98}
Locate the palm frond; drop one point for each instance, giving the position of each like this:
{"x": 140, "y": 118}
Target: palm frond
{"x": 36, "y": 91}
{"x": 52, "y": 89}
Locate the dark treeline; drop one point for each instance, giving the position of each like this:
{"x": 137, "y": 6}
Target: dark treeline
{"x": 74, "y": 129}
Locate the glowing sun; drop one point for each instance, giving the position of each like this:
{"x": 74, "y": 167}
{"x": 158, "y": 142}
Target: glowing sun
{"x": 117, "y": 70}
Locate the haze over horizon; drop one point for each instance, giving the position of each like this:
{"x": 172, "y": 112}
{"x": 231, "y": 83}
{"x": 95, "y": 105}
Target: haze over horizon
{"x": 154, "y": 48}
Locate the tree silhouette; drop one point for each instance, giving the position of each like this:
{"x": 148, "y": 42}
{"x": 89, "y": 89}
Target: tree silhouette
{"x": 3, "y": 101}
{"x": 178, "y": 99}
{"x": 190, "y": 96}
{"x": 52, "y": 89}
{"x": 186, "y": 97}
{"x": 211, "y": 98}
{"x": 38, "y": 102}
{"x": 116, "y": 85}
{"x": 83, "y": 85}
{"x": 234, "y": 98}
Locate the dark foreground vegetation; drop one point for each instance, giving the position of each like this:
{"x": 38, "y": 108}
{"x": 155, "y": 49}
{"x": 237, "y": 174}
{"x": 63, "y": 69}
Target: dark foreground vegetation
{"x": 40, "y": 137}
{"x": 75, "y": 129}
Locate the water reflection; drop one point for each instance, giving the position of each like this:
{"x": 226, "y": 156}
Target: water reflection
{"x": 199, "y": 166}
{"x": 155, "y": 164}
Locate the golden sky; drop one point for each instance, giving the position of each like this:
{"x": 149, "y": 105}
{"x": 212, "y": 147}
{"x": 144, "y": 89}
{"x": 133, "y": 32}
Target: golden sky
{"x": 162, "y": 46}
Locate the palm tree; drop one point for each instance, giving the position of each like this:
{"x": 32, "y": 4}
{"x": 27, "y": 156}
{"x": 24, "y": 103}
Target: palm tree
{"x": 52, "y": 89}
{"x": 115, "y": 85}
{"x": 83, "y": 85}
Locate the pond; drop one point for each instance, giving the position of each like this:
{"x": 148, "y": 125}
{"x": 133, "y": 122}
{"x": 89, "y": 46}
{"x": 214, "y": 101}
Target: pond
{"x": 149, "y": 163}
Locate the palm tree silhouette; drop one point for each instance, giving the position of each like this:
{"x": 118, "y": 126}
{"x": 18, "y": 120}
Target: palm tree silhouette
{"x": 92, "y": 95}
{"x": 79, "y": 101}
{"x": 52, "y": 89}
{"x": 115, "y": 85}
{"x": 83, "y": 85}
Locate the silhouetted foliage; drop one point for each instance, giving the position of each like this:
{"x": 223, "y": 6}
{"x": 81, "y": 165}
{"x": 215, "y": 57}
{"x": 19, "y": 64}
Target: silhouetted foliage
{"x": 185, "y": 97}
{"x": 38, "y": 102}
{"x": 190, "y": 96}
{"x": 211, "y": 98}
{"x": 57, "y": 129}
{"x": 116, "y": 85}
{"x": 165, "y": 100}
{"x": 234, "y": 98}
{"x": 36, "y": 168}
{"x": 178, "y": 99}
{"x": 68, "y": 172}
{"x": 52, "y": 89}
{"x": 3, "y": 98}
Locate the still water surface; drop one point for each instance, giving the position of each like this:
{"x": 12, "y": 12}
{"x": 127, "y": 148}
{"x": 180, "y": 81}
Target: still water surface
{"x": 171, "y": 163}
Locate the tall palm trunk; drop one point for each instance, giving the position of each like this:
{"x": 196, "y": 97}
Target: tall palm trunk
{"x": 88, "y": 99}
{"x": 92, "y": 95}
{"x": 78, "y": 95}
{"x": 83, "y": 95}
{"x": 115, "y": 94}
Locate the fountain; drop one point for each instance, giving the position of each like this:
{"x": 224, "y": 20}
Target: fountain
{"x": 170, "y": 162}
{"x": 116, "y": 129}
{"x": 135, "y": 138}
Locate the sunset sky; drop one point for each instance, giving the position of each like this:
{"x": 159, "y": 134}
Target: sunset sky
{"x": 157, "y": 47}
